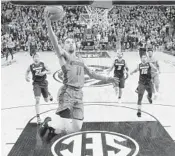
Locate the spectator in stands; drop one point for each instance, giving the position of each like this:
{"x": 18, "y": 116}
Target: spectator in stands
{"x": 128, "y": 26}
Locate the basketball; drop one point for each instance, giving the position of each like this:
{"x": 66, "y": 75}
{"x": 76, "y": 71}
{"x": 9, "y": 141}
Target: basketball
{"x": 56, "y": 13}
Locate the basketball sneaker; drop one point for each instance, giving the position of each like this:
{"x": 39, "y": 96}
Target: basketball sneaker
{"x": 44, "y": 126}
{"x": 50, "y": 135}
{"x": 139, "y": 114}
{"x": 119, "y": 101}
{"x": 50, "y": 97}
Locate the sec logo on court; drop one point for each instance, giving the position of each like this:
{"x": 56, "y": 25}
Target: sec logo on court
{"x": 95, "y": 143}
{"x": 58, "y": 76}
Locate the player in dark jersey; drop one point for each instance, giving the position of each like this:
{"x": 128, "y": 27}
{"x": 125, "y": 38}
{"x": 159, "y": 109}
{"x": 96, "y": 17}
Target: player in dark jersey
{"x": 32, "y": 46}
{"x": 70, "y": 113}
{"x": 145, "y": 81}
{"x": 142, "y": 48}
{"x": 40, "y": 85}
{"x": 120, "y": 70}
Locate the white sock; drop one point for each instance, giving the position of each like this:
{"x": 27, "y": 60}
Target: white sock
{"x": 37, "y": 109}
{"x": 139, "y": 107}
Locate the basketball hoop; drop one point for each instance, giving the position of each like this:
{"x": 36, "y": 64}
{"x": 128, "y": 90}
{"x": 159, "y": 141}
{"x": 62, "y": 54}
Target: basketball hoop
{"x": 98, "y": 13}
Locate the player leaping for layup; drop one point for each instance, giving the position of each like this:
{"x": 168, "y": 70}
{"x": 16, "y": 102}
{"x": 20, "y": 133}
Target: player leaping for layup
{"x": 40, "y": 84}
{"x": 70, "y": 112}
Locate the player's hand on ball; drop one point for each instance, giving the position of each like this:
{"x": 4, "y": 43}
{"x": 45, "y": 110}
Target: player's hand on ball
{"x": 28, "y": 79}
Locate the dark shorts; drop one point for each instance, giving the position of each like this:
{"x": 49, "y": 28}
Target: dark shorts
{"x": 41, "y": 88}
{"x": 142, "y": 87}
{"x": 32, "y": 52}
{"x": 9, "y": 50}
{"x": 70, "y": 102}
{"x": 121, "y": 82}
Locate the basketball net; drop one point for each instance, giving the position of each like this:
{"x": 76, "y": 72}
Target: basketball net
{"x": 98, "y": 13}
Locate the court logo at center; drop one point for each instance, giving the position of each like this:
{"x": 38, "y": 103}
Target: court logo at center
{"x": 58, "y": 76}
{"x": 95, "y": 143}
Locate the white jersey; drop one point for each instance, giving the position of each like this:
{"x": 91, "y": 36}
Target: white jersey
{"x": 154, "y": 61}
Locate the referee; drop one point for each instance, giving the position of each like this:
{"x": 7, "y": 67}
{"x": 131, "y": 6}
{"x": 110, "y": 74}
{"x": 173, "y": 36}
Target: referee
{"x": 10, "y": 47}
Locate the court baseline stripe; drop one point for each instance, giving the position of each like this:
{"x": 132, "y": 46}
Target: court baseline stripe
{"x": 10, "y": 143}
{"x": 124, "y": 103}
{"x": 166, "y": 126}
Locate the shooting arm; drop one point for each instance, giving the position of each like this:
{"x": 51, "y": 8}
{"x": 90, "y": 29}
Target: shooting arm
{"x": 60, "y": 52}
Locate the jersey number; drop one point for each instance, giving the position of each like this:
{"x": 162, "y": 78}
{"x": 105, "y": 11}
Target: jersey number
{"x": 78, "y": 70}
{"x": 144, "y": 71}
{"x": 37, "y": 72}
{"x": 119, "y": 68}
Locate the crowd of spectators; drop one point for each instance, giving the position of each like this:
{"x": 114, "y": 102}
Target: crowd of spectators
{"x": 128, "y": 26}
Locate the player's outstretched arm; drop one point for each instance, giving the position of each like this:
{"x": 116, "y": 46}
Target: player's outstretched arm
{"x": 94, "y": 75}
{"x": 135, "y": 70}
{"x": 59, "y": 51}
{"x": 27, "y": 74}
{"x": 153, "y": 66}
{"x": 110, "y": 69}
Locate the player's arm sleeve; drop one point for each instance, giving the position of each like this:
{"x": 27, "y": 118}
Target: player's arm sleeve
{"x": 94, "y": 75}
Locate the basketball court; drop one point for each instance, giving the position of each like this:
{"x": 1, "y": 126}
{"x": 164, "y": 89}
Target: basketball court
{"x": 108, "y": 126}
